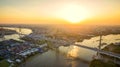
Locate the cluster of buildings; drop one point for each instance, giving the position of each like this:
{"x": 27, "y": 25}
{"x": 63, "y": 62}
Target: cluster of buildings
{"x": 16, "y": 52}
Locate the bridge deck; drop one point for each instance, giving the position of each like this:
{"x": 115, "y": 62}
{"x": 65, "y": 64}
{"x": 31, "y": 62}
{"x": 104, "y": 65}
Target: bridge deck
{"x": 101, "y": 51}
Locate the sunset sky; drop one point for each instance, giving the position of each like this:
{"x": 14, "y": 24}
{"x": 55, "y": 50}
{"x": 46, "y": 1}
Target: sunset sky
{"x": 103, "y": 12}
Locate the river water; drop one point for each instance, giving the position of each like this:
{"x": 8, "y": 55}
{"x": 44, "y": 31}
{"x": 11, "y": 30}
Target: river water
{"x": 24, "y": 31}
{"x": 87, "y": 54}
{"x": 53, "y": 59}
{"x": 62, "y": 59}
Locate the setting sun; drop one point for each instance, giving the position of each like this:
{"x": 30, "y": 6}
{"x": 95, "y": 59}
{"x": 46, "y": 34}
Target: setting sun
{"x": 60, "y": 12}
{"x": 73, "y": 13}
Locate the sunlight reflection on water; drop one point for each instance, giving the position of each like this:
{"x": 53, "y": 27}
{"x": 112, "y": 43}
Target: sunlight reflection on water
{"x": 87, "y": 54}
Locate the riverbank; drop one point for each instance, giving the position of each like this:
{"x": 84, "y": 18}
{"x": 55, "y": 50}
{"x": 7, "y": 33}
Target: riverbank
{"x": 16, "y": 52}
{"x": 107, "y": 61}
{"x": 100, "y": 63}
{"x": 52, "y": 58}
{"x": 6, "y": 32}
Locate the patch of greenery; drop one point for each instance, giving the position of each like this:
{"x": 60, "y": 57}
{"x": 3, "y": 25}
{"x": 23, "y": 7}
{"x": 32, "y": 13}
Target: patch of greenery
{"x": 1, "y": 58}
{"x": 4, "y": 63}
{"x": 99, "y": 63}
{"x": 112, "y": 48}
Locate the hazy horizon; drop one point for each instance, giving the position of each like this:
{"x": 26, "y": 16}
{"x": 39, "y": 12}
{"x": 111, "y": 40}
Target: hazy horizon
{"x": 103, "y": 12}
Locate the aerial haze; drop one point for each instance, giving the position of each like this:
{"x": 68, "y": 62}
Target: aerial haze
{"x": 101, "y": 12}
{"x": 59, "y": 33}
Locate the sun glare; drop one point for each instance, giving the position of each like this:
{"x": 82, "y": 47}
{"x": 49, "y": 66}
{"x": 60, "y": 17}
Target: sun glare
{"x": 73, "y": 13}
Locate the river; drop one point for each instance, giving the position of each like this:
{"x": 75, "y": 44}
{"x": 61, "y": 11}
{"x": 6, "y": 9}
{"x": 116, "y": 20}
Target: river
{"x": 54, "y": 59}
{"x": 87, "y": 54}
{"x": 24, "y": 31}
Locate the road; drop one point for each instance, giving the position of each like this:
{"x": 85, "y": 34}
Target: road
{"x": 101, "y": 51}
